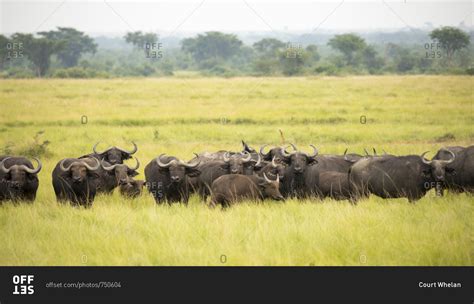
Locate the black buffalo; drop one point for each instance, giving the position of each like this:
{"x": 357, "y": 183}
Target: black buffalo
{"x": 276, "y": 152}
{"x": 132, "y": 188}
{"x": 75, "y": 180}
{"x": 298, "y": 162}
{"x": 460, "y": 172}
{"x": 238, "y": 163}
{"x": 272, "y": 169}
{"x": 111, "y": 176}
{"x": 334, "y": 184}
{"x": 396, "y": 176}
{"x": 320, "y": 184}
{"x": 232, "y": 188}
{"x": 112, "y": 155}
{"x": 167, "y": 179}
{"x": 18, "y": 178}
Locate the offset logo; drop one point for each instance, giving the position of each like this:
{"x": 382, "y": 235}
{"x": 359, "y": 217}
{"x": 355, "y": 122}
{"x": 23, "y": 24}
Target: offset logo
{"x": 23, "y": 284}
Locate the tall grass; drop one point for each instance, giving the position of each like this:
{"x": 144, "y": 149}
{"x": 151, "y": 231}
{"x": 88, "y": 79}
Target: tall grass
{"x": 402, "y": 115}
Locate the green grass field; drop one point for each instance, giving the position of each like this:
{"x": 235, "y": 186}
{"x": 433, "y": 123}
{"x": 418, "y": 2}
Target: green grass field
{"x": 402, "y": 115}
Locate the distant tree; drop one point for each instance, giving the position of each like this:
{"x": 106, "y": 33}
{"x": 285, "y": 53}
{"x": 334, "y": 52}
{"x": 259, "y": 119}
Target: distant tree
{"x": 3, "y": 50}
{"x": 268, "y": 55}
{"x": 38, "y": 50}
{"x": 371, "y": 60}
{"x": 348, "y": 45}
{"x": 312, "y": 51}
{"x": 451, "y": 39}
{"x": 405, "y": 61}
{"x": 293, "y": 60}
{"x": 75, "y": 43}
{"x": 212, "y": 48}
{"x": 141, "y": 40}
{"x": 268, "y": 46}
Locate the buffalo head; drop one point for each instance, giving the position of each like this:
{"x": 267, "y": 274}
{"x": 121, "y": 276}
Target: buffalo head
{"x": 238, "y": 161}
{"x": 80, "y": 169}
{"x": 177, "y": 169}
{"x": 275, "y": 152}
{"x": 298, "y": 161}
{"x": 18, "y": 175}
{"x": 437, "y": 170}
{"x": 122, "y": 172}
{"x": 270, "y": 188}
{"x": 115, "y": 155}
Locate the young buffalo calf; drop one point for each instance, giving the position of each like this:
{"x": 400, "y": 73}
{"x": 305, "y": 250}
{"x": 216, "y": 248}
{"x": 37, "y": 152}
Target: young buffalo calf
{"x": 232, "y": 188}
{"x": 132, "y": 188}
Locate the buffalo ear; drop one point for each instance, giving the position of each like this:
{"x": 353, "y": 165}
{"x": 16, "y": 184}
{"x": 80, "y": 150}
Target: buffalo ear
{"x": 126, "y": 155}
{"x": 132, "y": 173}
{"x": 191, "y": 172}
{"x": 312, "y": 161}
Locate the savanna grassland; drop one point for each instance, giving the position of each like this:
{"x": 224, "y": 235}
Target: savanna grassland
{"x": 178, "y": 116}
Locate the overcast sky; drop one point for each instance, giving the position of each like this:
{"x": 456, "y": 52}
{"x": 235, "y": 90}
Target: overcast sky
{"x": 184, "y": 17}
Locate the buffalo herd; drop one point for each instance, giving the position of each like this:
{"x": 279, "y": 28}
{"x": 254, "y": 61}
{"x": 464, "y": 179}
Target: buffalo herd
{"x": 226, "y": 177}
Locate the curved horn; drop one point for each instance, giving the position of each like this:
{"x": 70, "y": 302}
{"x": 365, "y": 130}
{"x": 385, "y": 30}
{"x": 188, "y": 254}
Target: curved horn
{"x": 284, "y": 153}
{"x": 261, "y": 151}
{"x": 61, "y": 166}
{"x": 247, "y": 158}
{"x": 259, "y": 160}
{"x": 293, "y": 146}
{"x": 163, "y": 165}
{"x": 349, "y": 160}
{"x": 428, "y": 162}
{"x": 2, "y": 165}
{"x": 450, "y": 160}
{"x": 226, "y": 157}
{"x": 188, "y": 165}
{"x": 274, "y": 164}
{"x": 136, "y": 166}
{"x": 266, "y": 178}
{"x": 89, "y": 167}
{"x": 95, "y": 148}
{"x": 34, "y": 171}
{"x": 315, "y": 152}
{"x": 135, "y": 149}
{"x": 108, "y": 168}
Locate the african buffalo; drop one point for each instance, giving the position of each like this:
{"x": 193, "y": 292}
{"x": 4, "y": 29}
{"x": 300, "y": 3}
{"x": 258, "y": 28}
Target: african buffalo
{"x": 75, "y": 180}
{"x": 18, "y": 178}
{"x": 460, "y": 172}
{"x": 232, "y": 188}
{"x": 275, "y": 152}
{"x": 112, "y": 155}
{"x": 294, "y": 182}
{"x": 408, "y": 176}
{"x": 334, "y": 184}
{"x": 315, "y": 184}
{"x": 272, "y": 169}
{"x": 167, "y": 179}
{"x": 239, "y": 163}
{"x": 132, "y": 188}
{"x": 111, "y": 176}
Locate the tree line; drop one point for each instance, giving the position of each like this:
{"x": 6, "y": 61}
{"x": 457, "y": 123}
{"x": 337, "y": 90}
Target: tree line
{"x": 69, "y": 53}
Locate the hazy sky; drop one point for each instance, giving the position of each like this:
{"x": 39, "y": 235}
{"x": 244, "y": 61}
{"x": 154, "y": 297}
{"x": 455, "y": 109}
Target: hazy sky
{"x": 181, "y": 17}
